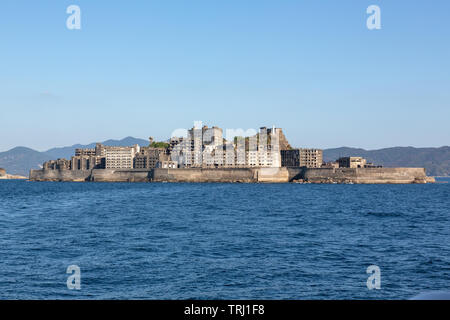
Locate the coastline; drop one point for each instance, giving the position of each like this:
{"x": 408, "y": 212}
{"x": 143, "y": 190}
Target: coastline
{"x": 241, "y": 175}
{"x": 13, "y": 177}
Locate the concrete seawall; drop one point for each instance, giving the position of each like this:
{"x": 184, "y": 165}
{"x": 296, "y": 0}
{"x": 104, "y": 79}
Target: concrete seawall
{"x": 204, "y": 175}
{"x": 122, "y": 175}
{"x": 360, "y": 175}
{"x": 60, "y": 175}
{"x": 243, "y": 175}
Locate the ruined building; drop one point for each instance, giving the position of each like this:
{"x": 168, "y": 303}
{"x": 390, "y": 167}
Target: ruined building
{"x": 148, "y": 157}
{"x": 309, "y": 158}
{"x": 205, "y": 148}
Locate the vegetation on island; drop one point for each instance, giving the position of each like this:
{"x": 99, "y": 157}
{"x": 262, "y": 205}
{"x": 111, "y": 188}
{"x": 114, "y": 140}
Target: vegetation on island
{"x": 160, "y": 144}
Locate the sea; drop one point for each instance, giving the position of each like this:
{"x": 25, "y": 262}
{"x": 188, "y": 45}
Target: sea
{"x": 151, "y": 241}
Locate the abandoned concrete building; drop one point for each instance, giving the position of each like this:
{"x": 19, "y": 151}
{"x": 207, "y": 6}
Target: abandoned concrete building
{"x": 149, "y": 157}
{"x": 309, "y": 158}
{"x": 355, "y": 162}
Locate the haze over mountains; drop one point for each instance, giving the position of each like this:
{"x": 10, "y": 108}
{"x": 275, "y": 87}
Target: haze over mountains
{"x": 20, "y": 160}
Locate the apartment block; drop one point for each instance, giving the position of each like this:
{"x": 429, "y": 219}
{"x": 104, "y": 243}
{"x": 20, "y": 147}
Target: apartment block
{"x": 310, "y": 158}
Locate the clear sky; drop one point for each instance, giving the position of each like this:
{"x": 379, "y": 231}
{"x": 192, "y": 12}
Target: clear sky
{"x": 145, "y": 68}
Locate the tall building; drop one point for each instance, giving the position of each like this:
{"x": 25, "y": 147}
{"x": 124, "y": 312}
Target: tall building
{"x": 205, "y": 148}
{"x": 85, "y": 162}
{"x": 120, "y": 157}
{"x": 310, "y": 158}
{"x": 102, "y": 157}
{"x": 85, "y": 152}
{"x": 196, "y": 149}
{"x": 149, "y": 157}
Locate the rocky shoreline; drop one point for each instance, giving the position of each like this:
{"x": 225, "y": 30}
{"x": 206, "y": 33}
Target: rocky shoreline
{"x": 6, "y": 176}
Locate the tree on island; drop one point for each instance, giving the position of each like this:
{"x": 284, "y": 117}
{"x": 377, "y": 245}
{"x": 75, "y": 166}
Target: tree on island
{"x": 163, "y": 145}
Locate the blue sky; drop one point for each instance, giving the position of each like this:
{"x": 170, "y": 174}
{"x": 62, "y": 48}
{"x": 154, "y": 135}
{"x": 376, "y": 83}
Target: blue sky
{"x": 141, "y": 68}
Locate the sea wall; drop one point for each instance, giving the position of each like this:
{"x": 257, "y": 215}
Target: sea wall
{"x": 296, "y": 173}
{"x": 366, "y": 175}
{"x": 121, "y": 175}
{"x": 243, "y": 175}
{"x": 60, "y": 175}
{"x": 272, "y": 175}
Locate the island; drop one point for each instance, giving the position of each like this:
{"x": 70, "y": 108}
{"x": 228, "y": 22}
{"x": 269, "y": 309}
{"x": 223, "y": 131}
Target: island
{"x": 203, "y": 155}
{"x": 5, "y": 176}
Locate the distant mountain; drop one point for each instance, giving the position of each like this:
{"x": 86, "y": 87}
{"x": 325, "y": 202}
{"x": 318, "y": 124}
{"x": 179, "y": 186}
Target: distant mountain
{"x": 67, "y": 152}
{"x": 435, "y": 160}
{"x": 20, "y": 160}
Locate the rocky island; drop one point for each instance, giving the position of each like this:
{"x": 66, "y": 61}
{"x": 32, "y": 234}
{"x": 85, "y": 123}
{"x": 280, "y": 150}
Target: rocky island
{"x": 203, "y": 155}
{"x": 5, "y": 176}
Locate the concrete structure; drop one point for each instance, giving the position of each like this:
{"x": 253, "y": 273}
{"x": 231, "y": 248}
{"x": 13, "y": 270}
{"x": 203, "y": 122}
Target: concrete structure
{"x": 2, "y": 172}
{"x": 88, "y": 159}
{"x": 205, "y": 148}
{"x": 204, "y": 156}
{"x": 57, "y": 164}
{"x": 174, "y": 141}
{"x": 120, "y": 157}
{"x": 351, "y": 162}
{"x": 60, "y": 175}
{"x": 167, "y": 164}
{"x": 219, "y": 175}
{"x": 98, "y": 151}
{"x": 101, "y": 157}
{"x": 366, "y": 175}
{"x": 85, "y": 152}
{"x": 309, "y": 158}
{"x": 84, "y": 162}
{"x": 332, "y": 164}
{"x": 355, "y": 162}
{"x": 246, "y": 175}
{"x": 148, "y": 157}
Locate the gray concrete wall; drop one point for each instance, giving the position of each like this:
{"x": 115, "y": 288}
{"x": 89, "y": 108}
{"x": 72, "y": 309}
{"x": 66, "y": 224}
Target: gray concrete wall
{"x": 121, "y": 175}
{"x": 204, "y": 175}
{"x": 296, "y": 173}
{"x": 365, "y": 175}
{"x": 244, "y": 175}
{"x": 272, "y": 175}
{"x": 60, "y": 175}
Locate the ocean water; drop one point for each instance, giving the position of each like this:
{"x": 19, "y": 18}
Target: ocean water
{"x": 222, "y": 241}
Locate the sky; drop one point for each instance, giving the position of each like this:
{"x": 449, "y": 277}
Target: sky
{"x": 146, "y": 68}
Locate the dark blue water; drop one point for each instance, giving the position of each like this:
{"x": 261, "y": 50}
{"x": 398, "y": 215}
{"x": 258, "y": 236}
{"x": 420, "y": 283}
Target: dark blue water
{"x": 222, "y": 241}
